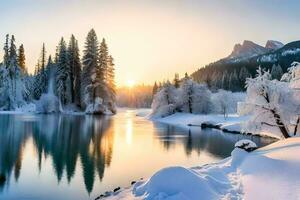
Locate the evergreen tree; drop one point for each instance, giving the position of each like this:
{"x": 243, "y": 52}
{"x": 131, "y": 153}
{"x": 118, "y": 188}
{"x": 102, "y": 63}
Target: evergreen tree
{"x": 90, "y": 62}
{"x": 225, "y": 80}
{"x": 110, "y": 83}
{"x": 276, "y": 72}
{"x": 234, "y": 84}
{"x": 6, "y": 51}
{"x": 21, "y": 59}
{"x": 102, "y": 71}
{"x": 155, "y": 88}
{"x": 62, "y": 74}
{"x": 244, "y": 74}
{"x": 75, "y": 71}
{"x": 176, "y": 81}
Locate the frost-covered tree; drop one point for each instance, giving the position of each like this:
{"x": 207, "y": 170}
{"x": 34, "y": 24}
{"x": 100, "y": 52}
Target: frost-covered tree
{"x": 110, "y": 83}
{"x": 91, "y": 78}
{"x": 194, "y": 97}
{"x": 75, "y": 71}
{"x": 6, "y": 51}
{"x": 274, "y": 104}
{"x": 165, "y": 101}
{"x": 222, "y": 100}
{"x": 276, "y": 72}
{"x": 63, "y": 75}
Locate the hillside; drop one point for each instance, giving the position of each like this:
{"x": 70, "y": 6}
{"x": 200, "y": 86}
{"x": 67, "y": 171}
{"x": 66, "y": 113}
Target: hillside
{"x": 231, "y": 72}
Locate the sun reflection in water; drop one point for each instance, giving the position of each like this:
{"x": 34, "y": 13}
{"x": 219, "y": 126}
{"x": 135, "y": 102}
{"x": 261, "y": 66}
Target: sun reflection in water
{"x": 129, "y": 131}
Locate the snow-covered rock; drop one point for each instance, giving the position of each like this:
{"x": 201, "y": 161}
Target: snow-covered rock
{"x": 247, "y": 145}
{"x": 273, "y": 45}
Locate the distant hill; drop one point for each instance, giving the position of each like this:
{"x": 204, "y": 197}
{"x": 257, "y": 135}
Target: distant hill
{"x": 231, "y": 72}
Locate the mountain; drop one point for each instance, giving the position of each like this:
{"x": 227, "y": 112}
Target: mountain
{"x": 273, "y": 45}
{"x": 246, "y": 50}
{"x": 248, "y": 56}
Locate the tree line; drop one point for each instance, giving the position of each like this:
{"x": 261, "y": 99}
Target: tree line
{"x": 85, "y": 83}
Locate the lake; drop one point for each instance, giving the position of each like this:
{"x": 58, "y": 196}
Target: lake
{"x": 79, "y": 157}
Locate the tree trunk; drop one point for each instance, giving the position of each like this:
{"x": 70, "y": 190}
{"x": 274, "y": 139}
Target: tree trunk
{"x": 281, "y": 126}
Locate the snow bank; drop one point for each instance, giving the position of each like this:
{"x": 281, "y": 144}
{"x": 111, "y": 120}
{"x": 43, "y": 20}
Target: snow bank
{"x": 268, "y": 173}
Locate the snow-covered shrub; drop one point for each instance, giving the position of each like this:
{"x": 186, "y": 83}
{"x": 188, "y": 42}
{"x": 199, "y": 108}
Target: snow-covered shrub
{"x": 165, "y": 101}
{"x": 96, "y": 108}
{"x": 48, "y": 103}
{"x": 275, "y": 104}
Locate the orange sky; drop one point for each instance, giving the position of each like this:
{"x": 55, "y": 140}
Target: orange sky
{"x": 150, "y": 40}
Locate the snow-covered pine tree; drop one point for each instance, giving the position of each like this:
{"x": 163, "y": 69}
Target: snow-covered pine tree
{"x": 63, "y": 75}
{"x": 21, "y": 59}
{"x": 75, "y": 71}
{"x": 102, "y": 72}
{"x": 6, "y": 51}
{"x": 43, "y": 76}
{"x": 15, "y": 85}
{"x": 110, "y": 83}
{"x": 276, "y": 72}
{"x": 37, "y": 89}
{"x": 90, "y": 62}
{"x": 186, "y": 95}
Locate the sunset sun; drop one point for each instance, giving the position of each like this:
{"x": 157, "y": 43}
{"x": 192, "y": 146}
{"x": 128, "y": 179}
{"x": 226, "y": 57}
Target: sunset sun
{"x": 130, "y": 83}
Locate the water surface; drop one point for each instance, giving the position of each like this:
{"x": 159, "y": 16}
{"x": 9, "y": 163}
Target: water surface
{"x": 79, "y": 157}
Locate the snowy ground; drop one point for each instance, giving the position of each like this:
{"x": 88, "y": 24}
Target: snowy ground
{"x": 233, "y": 122}
{"x": 271, "y": 172}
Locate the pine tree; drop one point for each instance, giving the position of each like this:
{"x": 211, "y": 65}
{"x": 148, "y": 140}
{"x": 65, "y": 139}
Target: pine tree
{"x": 225, "y": 81}
{"x": 21, "y": 59}
{"x": 102, "y": 72}
{"x": 62, "y": 74}
{"x": 90, "y": 62}
{"x": 6, "y": 51}
{"x": 176, "y": 81}
{"x": 155, "y": 89}
{"x": 110, "y": 82}
{"x": 234, "y": 84}
{"x": 43, "y": 76}
{"x": 276, "y": 72}
{"x": 75, "y": 70}
{"x": 244, "y": 74}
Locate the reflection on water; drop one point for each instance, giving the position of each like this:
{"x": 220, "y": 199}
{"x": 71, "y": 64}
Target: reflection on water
{"x": 78, "y": 157}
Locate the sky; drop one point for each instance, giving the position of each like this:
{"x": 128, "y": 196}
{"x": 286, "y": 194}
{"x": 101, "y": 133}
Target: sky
{"x": 150, "y": 40}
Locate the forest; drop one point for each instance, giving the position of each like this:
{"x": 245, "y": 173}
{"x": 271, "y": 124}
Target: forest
{"x": 62, "y": 83}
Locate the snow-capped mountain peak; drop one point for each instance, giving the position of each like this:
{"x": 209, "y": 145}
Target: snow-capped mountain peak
{"x": 247, "y": 49}
{"x": 273, "y": 45}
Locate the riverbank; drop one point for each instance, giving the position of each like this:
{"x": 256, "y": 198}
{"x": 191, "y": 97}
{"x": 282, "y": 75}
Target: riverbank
{"x": 236, "y": 177}
{"x": 233, "y": 123}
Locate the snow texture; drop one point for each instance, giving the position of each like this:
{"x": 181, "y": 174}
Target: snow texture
{"x": 268, "y": 173}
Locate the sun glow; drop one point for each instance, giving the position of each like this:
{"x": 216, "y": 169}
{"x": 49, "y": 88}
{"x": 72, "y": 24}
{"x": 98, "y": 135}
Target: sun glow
{"x": 130, "y": 83}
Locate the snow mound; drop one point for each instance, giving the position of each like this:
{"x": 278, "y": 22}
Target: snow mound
{"x": 170, "y": 183}
{"x": 48, "y": 103}
{"x": 247, "y": 145}
{"x": 96, "y": 108}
